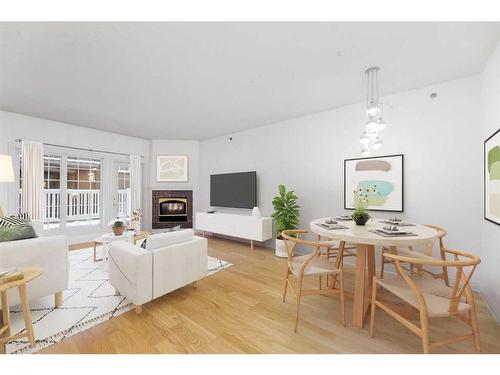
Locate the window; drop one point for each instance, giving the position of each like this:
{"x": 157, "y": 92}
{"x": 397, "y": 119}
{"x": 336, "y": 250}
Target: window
{"x": 83, "y": 191}
{"x": 72, "y": 191}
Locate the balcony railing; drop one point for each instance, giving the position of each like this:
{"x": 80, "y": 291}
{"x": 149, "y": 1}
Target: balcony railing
{"x": 81, "y": 205}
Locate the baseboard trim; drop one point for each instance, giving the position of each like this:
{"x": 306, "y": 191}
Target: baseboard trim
{"x": 494, "y": 314}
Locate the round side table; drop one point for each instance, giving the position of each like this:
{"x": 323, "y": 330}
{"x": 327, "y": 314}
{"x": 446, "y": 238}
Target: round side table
{"x": 30, "y": 273}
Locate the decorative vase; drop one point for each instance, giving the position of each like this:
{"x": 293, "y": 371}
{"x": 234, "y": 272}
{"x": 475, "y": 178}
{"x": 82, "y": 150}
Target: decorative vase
{"x": 256, "y": 212}
{"x": 118, "y": 231}
{"x": 281, "y": 249}
{"x": 137, "y": 227}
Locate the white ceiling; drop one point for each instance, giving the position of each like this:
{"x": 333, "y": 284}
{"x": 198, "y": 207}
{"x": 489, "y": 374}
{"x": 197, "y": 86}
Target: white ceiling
{"x": 200, "y": 80}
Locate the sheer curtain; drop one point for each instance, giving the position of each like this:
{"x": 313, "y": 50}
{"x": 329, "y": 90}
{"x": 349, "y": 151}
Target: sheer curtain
{"x": 135, "y": 185}
{"x": 32, "y": 179}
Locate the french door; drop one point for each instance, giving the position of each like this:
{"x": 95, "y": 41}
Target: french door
{"x": 121, "y": 190}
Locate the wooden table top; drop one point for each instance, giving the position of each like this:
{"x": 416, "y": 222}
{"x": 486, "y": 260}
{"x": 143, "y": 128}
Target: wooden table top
{"x": 360, "y": 234}
{"x": 30, "y": 273}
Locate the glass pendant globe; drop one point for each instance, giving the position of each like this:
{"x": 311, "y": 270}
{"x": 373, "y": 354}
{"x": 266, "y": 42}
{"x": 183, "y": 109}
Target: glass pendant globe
{"x": 376, "y": 143}
{"x": 366, "y": 151}
{"x": 364, "y": 139}
{"x": 371, "y": 127}
{"x": 373, "y": 111}
{"x": 381, "y": 124}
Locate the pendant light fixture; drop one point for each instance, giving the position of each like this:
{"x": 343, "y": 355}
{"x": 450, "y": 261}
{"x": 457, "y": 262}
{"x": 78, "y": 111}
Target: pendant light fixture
{"x": 375, "y": 123}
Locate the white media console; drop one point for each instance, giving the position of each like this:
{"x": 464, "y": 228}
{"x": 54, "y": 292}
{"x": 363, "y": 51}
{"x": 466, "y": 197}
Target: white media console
{"x": 233, "y": 225}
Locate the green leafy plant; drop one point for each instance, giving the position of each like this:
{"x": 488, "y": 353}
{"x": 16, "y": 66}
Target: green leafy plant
{"x": 286, "y": 211}
{"x": 118, "y": 224}
{"x": 360, "y": 215}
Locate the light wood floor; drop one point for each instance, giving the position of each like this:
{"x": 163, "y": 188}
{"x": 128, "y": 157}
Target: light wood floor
{"x": 239, "y": 310}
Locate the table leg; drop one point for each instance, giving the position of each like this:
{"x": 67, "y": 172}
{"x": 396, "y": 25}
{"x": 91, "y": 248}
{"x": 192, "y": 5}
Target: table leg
{"x": 371, "y": 264}
{"x": 358, "y": 310}
{"x": 27, "y": 313}
{"x": 5, "y": 318}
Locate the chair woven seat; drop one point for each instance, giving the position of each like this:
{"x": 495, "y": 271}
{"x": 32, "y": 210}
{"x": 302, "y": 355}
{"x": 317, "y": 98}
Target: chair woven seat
{"x": 406, "y": 252}
{"x": 436, "y": 294}
{"x": 318, "y": 266}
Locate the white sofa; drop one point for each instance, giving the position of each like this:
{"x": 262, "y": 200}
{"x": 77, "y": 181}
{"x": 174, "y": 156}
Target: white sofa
{"x": 170, "y": 261}
{"x": 50, "y": 253}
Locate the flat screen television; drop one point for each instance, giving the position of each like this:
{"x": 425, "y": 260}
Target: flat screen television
{"x": 237, "y": 190}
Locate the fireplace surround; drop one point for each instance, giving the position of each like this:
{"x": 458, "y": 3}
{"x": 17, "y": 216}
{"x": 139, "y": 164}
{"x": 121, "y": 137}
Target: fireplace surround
{"x": 171, "y": 208}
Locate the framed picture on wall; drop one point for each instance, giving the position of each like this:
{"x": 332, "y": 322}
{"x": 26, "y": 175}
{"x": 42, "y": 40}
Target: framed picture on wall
{"x": 377, "y": 179}
{"x": 172, "y": 168}
{"x": 492, "y": 178}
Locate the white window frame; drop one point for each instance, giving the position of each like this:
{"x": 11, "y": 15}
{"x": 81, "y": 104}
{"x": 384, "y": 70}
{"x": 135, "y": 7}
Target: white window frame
{"x": 106, "y": 187}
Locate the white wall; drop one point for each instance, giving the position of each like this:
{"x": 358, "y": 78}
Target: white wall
{"x": 437, "y": 137}
{"x": 176, "y": 147}
{"x": 490, "y": 233}
{"x": 14, "y": 126}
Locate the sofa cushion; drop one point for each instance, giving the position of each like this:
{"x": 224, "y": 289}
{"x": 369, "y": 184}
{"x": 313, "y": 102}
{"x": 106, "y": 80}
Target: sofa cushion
{"x": 157, "y": 241}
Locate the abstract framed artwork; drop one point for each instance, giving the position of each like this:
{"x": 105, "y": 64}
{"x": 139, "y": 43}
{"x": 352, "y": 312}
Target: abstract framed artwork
{"x": 378, "y": 180}
{"x": 492, "y": 178}
{"x": 172, "y": 168}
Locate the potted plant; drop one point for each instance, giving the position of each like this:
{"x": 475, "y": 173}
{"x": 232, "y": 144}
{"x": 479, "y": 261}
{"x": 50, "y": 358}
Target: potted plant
{"x": 360, "y": 215}
{"x": 118, "y": 226}
{"x": 285, "y": 215}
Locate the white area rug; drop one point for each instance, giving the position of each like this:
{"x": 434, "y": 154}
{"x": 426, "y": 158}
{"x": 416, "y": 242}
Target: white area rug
{"x": 88, "y": 301}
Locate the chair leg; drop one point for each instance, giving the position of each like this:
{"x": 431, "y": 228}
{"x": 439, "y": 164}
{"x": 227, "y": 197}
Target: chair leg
{"x": 382, "y": 266}
{"x": 286, "y": 284}
{"x": 475, "y": 329}
{"x": 342, "y": 298}
{"x": 319, "y": 282}
{"x": 373, "y": 307}
{"x": 299, "y": 295}
{"x": 424, "y": 326}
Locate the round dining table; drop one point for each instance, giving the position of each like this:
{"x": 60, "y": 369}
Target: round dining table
{"x": 365, "y": 240}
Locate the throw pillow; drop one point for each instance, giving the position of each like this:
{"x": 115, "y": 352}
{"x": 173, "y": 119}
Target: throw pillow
{"x": 13, "y": 228}
{"x": 10, "y": 221}
{"x": 18, "y": 232}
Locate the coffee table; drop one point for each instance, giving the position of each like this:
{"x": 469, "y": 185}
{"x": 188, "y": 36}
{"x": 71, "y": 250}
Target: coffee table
{"x": 105, "y": 239}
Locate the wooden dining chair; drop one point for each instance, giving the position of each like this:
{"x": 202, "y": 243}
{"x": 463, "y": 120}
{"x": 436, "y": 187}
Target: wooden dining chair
{"x": 312, "y": 264}
{"x": 333, "y": 251}
{"x": 431, "y": 296}
{"x": 427, "y": 254}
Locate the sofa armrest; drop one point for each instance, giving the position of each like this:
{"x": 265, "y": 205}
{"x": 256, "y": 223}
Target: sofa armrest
{"x": 178, "y": 265}
{"x": 130, "y": 271}
{"x": 48, "y": 253}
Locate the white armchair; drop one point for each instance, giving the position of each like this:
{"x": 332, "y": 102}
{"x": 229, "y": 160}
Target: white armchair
{"x": 170, "y": 261}
{"x": 50, "y": 253}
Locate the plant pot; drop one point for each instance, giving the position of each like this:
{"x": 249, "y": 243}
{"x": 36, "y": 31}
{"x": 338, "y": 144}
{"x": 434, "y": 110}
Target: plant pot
{"x": 118, "y": 231}
{"x": 281, "y": 249}
{"x": 361, "y": 220}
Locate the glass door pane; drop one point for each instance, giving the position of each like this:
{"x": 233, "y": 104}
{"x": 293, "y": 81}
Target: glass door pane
{"x": 121, "y": 198}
